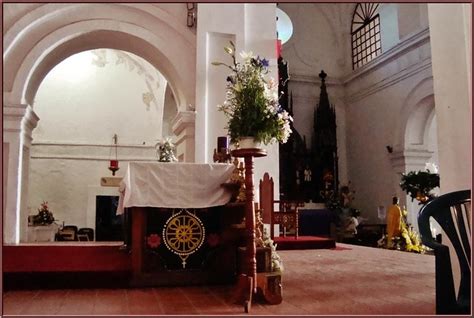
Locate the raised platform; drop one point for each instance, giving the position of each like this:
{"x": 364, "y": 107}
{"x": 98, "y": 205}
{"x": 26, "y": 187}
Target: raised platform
{"x": 66, "y": 257}
{"x": 304, "y": 242}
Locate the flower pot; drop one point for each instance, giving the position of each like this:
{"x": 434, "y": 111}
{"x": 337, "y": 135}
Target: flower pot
{"x": 248, "y": 142}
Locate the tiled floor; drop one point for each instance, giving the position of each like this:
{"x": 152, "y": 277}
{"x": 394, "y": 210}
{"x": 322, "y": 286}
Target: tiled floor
{"x": 357, "y": 280}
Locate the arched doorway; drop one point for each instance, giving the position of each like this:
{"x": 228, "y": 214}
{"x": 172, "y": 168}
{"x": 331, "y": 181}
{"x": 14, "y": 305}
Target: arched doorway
{"x": 48, "y": 34}
{"x": 416, "y": 140}
{"x": 82, "y": 103}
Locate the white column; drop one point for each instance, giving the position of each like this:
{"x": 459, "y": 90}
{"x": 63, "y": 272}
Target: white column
{"x": 402, "y": 162}
{"x": 18, "y": 121}
{"x": 451, "y": 56}
{"x": 29, "y": 122}
{"x": 183, "y": 126}
{"x": 260, "y": 38}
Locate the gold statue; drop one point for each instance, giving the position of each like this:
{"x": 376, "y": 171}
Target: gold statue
{"x": 241, "y": 197}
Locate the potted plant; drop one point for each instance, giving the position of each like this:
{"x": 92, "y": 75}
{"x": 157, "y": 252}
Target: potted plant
{"x": 251, "y": 104}
{"x": 419, "y": 184}
{"x": 44, "y": 216}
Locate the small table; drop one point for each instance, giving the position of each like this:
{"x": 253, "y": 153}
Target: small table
{"x": 42, "y": 233}
{"x": 247, "y": 284}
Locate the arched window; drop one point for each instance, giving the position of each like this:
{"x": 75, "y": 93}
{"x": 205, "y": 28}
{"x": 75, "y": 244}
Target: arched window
{"x": 365, "y": 34}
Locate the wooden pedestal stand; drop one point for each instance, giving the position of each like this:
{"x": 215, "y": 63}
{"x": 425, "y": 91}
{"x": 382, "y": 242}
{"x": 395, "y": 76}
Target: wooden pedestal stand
{"x": 247, "y": 284}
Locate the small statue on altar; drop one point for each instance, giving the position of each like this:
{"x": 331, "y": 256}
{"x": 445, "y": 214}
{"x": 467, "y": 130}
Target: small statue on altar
{"x": 236, "y": 176}
{"x": 298, "y": 181}
{"x": 258, "y": 229}
{"x": 242, "y": 197}
{"x": 307, "y": 174}
{"x": 327, "y": 192}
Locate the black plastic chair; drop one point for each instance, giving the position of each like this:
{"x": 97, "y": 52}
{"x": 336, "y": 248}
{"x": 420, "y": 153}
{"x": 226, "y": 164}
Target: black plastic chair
{"x": 68, "y": 233}
{"x": 85, "y": 234}
{"x": 453, "y": 213}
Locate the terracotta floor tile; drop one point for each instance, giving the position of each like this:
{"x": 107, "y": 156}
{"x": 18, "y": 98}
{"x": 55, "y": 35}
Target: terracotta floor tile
{"x": 111, "y": 302}
{"x": 359, "y": 281}
{"x": 14, "y": 302}
{"x": 46, "y": 302}
{"x": 143, "y": 302}
{"x": 78, "y": 302}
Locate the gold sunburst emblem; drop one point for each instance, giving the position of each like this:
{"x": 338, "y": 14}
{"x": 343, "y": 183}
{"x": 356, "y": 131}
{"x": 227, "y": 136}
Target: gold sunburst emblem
{"x": 183, "y": 234}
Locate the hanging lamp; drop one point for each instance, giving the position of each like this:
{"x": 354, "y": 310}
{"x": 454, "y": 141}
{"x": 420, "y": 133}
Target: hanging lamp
{"x": 113, "y": 163}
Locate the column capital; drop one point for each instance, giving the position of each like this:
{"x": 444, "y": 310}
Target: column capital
{"x": 183, "y": 120}
{"x": 402, "y": 159}
{"x": 13, "y": 116}
{"x": 28, "y": 123}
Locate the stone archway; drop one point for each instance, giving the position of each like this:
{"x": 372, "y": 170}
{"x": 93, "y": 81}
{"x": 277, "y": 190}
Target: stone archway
{"x": 48, "y": 34}
{"x": 413, "y": 144}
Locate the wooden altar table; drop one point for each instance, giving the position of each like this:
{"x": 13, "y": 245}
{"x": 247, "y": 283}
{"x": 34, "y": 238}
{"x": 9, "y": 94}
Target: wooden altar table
{"x": 182, "y": 231}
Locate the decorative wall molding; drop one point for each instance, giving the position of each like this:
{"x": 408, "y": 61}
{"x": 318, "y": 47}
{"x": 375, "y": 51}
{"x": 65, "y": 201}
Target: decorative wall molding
{"x": 410, "y": 157}
{"x": 389, "y": 81}
{"x": 314, "y": 79}
{"x": 94, "y": 152}
{"x": 363, "y": 73}
{"x": 28, "y": 123}
{"x": 411, "y": 42}
{"x": 398, "y": 73}
{"x": 183, "y": 120}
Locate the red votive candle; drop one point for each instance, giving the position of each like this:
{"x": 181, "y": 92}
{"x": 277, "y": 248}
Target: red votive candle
{"x": 113, "y": 163}
{"x": 222, "y": 143}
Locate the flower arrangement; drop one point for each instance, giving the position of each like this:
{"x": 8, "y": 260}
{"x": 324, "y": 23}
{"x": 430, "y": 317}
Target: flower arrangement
{"x": 251, "y": 104}
{"x": 408, "y": 240}
{"x": 165, "y": 150}
{"x": 44, "y": 216}
{"x": 418, "y": 184}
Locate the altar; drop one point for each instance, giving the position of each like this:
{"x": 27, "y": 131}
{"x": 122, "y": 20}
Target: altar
{"x": 183, "y": 231}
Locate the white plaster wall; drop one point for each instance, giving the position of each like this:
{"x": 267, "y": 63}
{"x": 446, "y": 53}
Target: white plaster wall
{"x": 81, "y": 103}
{"x": 411, "y": 17}
{"x": 169, "y": 112}
{"x": 381, "y": 97}
{"x": 450, "y": 27}
{"x": 371, "y": 126}
{"x": 252, "y": 27}
{"x": 320, "y": 39}
{"x": 94, "y": 94}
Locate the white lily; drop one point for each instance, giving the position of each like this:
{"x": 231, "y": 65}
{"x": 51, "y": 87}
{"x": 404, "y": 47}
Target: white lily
{"x": 246, "y": 55}
{"x": 431, "y": 167}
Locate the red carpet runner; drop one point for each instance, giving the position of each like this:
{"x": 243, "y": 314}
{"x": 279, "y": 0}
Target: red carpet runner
{"x": 303, "y": 242}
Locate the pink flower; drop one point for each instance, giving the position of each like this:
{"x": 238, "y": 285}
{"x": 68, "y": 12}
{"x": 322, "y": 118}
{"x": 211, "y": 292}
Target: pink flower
{"x": 213, "y": 240}
{"x": 153, "y": 240}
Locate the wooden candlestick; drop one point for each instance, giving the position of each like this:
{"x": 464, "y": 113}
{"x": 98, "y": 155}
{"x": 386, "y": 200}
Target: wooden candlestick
{"x": 247, "y": 285}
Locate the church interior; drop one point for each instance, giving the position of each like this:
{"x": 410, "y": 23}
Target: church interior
{"x": 117, "y": 160}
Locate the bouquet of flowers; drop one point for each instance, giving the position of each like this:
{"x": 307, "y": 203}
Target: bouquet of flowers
{"x": 165, "y": 150}
{"x": 418, "y": 184}
{"x": 251, "y": 104}
{"x": 44, "y": 216}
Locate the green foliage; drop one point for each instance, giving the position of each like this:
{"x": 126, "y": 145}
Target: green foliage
{"x": 415, "y": 183}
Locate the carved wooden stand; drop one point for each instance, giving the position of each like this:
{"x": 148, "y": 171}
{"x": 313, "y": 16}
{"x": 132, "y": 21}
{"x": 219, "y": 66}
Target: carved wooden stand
{"x": 247, "y": 284}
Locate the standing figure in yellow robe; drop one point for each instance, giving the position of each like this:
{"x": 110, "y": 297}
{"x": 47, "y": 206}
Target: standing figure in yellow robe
{"x": 394, "y": 216}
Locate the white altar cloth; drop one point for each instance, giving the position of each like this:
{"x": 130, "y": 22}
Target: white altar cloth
{"x": 174, "y": 185}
